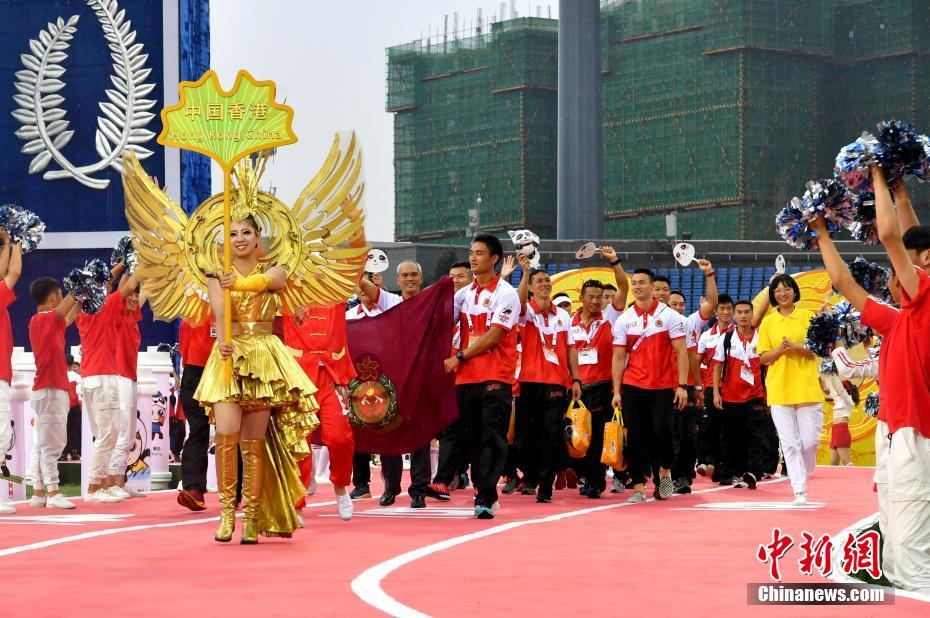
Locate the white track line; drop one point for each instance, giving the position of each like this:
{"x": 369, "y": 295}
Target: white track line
{"x": 839, "y": 576}
{"x": 367, "y": 586}
{"x": 109, "y": 531}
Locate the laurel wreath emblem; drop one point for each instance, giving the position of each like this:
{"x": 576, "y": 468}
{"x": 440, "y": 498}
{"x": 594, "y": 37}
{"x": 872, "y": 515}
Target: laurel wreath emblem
{"x": 120, "y": 127}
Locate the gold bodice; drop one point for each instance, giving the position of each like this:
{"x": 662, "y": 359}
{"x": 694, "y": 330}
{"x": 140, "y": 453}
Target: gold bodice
{"x": 250, "y": 307}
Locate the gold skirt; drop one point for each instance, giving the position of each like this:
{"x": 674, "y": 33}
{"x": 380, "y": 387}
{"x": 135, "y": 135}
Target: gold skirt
{"x": 266, "y": 375}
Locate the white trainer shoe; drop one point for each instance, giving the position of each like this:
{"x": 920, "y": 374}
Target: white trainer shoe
{"x": 102, "y": 496}
{"x": 37, "y": 501}
{"x": 118, "y": 492}
{"x": 6, "y": 508}
{"x": 496, "y": 506}
{"x": 312, "y": 488}
{"x": 800, "y": 498}
{"x": 344, "y": 506}
{"x": 58, "y": 501}
{"x": 132, "y": 492}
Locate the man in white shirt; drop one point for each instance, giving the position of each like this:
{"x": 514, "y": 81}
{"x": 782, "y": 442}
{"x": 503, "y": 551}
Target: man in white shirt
{"x": 410, "y": 282}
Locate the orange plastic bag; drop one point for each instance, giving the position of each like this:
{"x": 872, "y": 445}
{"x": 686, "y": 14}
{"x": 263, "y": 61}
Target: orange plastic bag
{"x": 614, "y": 442}
{"x": 577, "y": 429}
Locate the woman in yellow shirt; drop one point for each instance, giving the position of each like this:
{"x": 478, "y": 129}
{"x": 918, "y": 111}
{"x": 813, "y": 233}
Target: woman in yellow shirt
{"x": 792, "y": 383}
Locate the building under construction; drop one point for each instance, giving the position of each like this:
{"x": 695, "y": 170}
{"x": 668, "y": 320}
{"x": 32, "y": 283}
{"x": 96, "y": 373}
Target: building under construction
{"x": 718, "y": 110}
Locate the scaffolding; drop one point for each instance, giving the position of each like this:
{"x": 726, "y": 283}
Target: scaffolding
{"x": 718, "y": 110}
{"x": 721, "y": 109}
{"x": 475, "y": 116}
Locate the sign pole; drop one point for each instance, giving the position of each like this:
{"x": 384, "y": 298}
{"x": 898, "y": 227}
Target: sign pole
{"x": 227, "y": 267}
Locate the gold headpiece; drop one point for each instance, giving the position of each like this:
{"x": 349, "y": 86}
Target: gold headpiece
{"x": 244, "y": 194}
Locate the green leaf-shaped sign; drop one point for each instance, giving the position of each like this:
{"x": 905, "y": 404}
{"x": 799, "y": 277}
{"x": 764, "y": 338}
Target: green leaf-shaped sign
{"x": 227, "y": 126}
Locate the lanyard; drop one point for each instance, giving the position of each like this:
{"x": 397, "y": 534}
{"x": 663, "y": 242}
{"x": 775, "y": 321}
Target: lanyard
{"x": 590, "y": 330}
{"x": 489, "y": 314}
{"x": 745, "y": 343}
{"x": 643, "y": 336}
{"x": 537, "y": 318}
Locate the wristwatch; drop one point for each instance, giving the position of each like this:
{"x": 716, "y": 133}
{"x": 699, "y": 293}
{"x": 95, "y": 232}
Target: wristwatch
{"x": 460, "y": 356}
{"x": 578, "y": 380}
{"x": 684, "y": 386}
{"x": 615, "y": 262}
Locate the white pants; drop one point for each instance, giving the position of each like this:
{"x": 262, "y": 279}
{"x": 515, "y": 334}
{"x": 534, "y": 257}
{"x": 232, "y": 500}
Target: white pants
{"x": 799, "y": 428}
{"x": 6, "y": 421}
{"x": 50, "y": 406}
{"x": 909, "y": 494}
{"x": 126, "y": 422}
{"x": 880, "y": 478}
{"x": 101, "y": 398}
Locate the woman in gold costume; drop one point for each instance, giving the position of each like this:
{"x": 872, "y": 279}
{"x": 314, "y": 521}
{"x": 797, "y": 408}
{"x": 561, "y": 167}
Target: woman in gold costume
{"x": 313, "y": 253}
{"x": 264, "y": 376}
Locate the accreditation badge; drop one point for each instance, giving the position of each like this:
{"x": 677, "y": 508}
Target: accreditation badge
{"x": 587, "y": 356}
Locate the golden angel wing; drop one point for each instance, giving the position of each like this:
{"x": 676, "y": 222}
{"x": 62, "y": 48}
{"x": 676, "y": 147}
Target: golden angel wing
{"x": 158, "y": 226}
{"x": 332, "y": 251}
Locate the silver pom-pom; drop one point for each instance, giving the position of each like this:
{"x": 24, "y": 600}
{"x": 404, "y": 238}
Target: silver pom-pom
{"x": 88, "y": 285}
{"x": 24, "y": 226}
{"x": 124, "y": 252}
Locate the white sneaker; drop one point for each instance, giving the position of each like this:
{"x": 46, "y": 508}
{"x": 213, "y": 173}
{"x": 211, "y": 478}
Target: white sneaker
{"x": 800, "y": 498}
{"x": 495, "y": 506}
{"x": 300, "y": 519}
{"x": 132, "y": 492}
{"x": 37, "y": 501}
{"x": 344, "y": 506}
{"x": 617, "y": 486}
{"x": 58, "y": 501}
{"x": 118, "y": 492}
{"x": 6, "y": 508}
{"x": 102, "y": 496}
{"x": 312, "y": 489}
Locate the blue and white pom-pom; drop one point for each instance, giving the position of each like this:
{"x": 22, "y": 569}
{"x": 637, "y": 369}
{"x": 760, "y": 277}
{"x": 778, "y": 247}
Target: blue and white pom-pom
{"x": 124, "y": 252}
{"x": 864, "y": 228}
{"x": 923, "y": 174}
{"x": 849, "y": 322}
{"x": 822, "y": 334}
{"x": 826, "y": 197}
{"x": 901, "y": 151}
{"x": 897, "y": 149}
{"x": 871, "y": 277}
{"x": 24, "y": 226}
{"x": 871, "y": 404}
{"x": 853, "y": 162}
{"x": 88, "y": 285}
{"x": 828, "y": 368}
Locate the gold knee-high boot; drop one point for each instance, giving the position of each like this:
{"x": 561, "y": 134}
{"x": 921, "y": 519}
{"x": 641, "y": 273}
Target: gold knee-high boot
{"x": 253, "y": 468}
{"x": 227, "y": 474}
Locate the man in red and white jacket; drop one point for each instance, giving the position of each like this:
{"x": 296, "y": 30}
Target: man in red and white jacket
{"x": 688, "y": 424}
{"x": 647, "y": 337}
{"x": 709, "y": 439}
{"x": 592, "y": 328}
{"x": 739, "y": 392}
{"x": 485, "y": 366}
{"x": 549, "y": 367}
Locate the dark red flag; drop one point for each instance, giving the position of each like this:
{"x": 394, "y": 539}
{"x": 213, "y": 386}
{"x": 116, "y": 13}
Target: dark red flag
{"x": 403, "y": 397}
